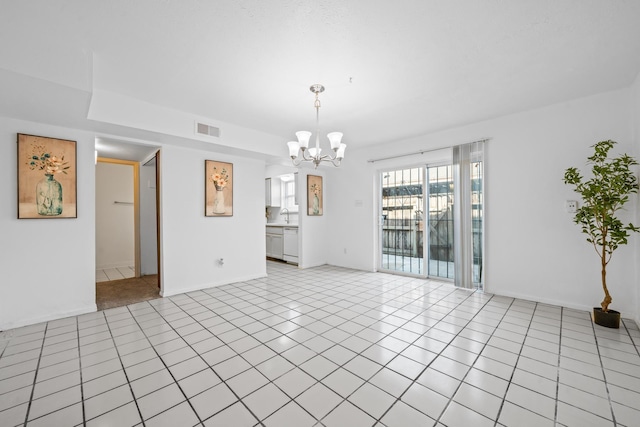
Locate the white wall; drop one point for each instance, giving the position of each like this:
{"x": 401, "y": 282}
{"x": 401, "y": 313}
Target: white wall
{"x": 635, "y": 119}
{"x": 350, "y": 194}
{"x": 48, "y": 265}
{"x": 533, "y": 249}
{"x": 115, "y": 239}
{"x": 148, "y": 230}
{"x": 191, "y": 242}
{"x": 315, "y": 232}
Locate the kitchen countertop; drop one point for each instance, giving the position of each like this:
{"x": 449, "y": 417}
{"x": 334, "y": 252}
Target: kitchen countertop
{"x": 281, "y": 224}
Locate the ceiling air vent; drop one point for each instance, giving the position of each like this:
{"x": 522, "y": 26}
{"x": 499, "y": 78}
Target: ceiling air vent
{"x": 204, "y": 129}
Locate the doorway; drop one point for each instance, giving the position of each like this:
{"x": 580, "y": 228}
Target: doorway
{"x": 117, "y": 219}
{"x": 127, "y": 231}
{"x": 402, "y": 226}
{"x": 432, "y": 219}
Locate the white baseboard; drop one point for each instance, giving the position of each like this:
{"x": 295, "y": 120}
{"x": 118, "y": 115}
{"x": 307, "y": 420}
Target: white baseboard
{"x": 200, "y": 287}
{"x": 90, "y": 308}
{"x": 548, "y": 301}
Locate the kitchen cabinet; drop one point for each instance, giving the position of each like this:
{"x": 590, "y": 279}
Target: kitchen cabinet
{"x": 272, "y": 192}
{"x": 275, "y": 242}
{"x": 282, "y": 243}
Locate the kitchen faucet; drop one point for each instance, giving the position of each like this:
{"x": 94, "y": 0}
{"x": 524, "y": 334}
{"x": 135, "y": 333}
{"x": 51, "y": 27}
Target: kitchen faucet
{"x": 285, "y": 211}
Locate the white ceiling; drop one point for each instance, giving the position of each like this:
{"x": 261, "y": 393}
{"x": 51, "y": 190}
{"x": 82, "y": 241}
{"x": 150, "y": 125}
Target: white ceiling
{"x": 392, "y": 70}
{"x": 125, "y": 150}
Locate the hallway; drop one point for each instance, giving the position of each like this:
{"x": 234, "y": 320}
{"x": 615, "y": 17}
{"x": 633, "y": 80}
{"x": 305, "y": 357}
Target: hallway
{"x": 118, "y": 293}
{"x": 104, "y": 275}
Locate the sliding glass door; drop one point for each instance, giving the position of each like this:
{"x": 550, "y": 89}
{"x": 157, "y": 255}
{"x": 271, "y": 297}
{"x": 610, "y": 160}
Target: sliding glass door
{"x": 402, "y": 223}
{"x": 442, "y": 238}
{"x": 440, "y": 221}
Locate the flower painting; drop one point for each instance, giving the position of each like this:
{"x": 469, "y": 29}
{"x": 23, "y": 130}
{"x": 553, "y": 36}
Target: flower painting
{"x": 46, "y": 177}
{"x": 218, "y": 200}
{"x": 314, "y": 195}
{"x": 220, "y": 178}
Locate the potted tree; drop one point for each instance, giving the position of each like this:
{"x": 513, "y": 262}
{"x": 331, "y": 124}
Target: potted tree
{"x": 603, "y": 195}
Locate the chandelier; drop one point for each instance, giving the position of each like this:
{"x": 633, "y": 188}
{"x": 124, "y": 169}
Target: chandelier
{"x": 314, "y": 154}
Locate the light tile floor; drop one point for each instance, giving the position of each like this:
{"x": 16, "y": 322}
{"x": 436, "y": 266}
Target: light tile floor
{"x": 327, "y": 347}
{"x": 108, "y": 274}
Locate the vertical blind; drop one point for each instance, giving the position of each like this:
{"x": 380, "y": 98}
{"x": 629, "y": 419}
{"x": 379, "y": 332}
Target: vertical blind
{"x": 469, "y": 231}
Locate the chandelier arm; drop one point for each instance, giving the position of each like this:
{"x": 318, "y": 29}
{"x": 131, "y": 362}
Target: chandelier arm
{"x": 328, "y": 158}
{"x": 305, "y": 156}
{"x": 336, "y": 162}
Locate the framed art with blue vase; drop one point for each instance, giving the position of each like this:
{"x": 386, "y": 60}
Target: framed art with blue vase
{"x": 47, "y": 180}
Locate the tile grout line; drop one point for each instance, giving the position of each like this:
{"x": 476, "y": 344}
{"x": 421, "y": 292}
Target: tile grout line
{"x": 223, "y": 344}
{"x": 6, "y": 345}
{"x": 367, "y": 381}
{"x": 198, "y": 355}
{"x": 361, "y": 353}
{"x": 604, "y": 374}
{"x": 515, "y": 367}
{"x": 414, "y": 381}
{"x": 530, "y": 322}
{"x": 633, "y": 342}
{"x": 604, "y": 381}
{"x": 73, "y": 339}
{"x": 453, "y": 291}
{"x": 309, "y": 303}
{"x": 84, "y": 417}
{"x": 164, "y": 364}
{"x": 35, "y": 377}
{"x": 475, "y": 360}
{"x": 260, "y": 422}
{"x": 555, "y": 412}
{"x": 317, "y": 354}
{"x": 124, "y": 371}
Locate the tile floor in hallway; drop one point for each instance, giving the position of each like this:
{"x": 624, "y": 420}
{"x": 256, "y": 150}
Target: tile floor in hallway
{"x": 108, "y": 274}
{"x": 327, "y": 347}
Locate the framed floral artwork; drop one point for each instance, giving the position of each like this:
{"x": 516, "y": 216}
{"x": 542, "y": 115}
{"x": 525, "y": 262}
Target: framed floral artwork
{"x": 314, "y": 195}
{"x": 218, "y": 188}
{"x": 47, "y": 182}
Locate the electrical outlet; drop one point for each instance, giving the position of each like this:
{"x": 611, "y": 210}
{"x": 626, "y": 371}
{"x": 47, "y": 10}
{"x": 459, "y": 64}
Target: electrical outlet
{"x": 571, "y": 206}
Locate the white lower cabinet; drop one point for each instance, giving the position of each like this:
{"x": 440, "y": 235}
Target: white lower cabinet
{"x": 275, "y": 244}
{"x": 282, "y": 243}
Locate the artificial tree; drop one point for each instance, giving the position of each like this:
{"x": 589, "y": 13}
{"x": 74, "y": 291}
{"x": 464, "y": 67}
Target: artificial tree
{"x": 603, "y": 195}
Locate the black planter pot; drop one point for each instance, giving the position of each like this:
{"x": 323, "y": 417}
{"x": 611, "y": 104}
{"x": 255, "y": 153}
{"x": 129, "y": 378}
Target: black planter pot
{"x": 609, "y": 319}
